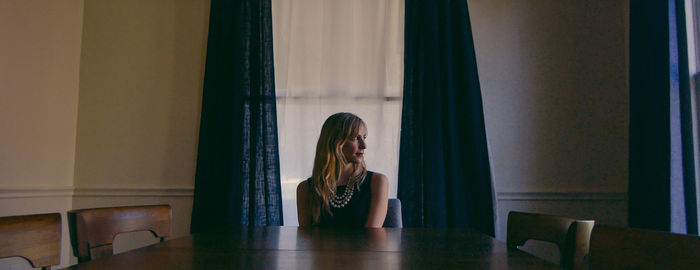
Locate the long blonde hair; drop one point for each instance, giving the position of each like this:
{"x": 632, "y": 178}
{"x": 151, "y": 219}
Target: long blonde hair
{"x": 330, "y": 161}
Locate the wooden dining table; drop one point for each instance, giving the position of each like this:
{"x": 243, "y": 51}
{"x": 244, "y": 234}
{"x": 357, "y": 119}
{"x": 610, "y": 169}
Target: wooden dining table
{"x": 321, "y": 248}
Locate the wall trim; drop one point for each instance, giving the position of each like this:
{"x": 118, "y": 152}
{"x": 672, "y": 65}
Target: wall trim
{"x": 562, "y": 196}
{"x": 69, "y": 191}
{"x": 134, "y": 192}
{"x": 35, "y": 191}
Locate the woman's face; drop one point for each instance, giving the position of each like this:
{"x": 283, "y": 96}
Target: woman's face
{"x": 354, "y": 148}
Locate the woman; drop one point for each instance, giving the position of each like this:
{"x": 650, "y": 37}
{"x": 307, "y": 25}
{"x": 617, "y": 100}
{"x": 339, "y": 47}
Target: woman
{"x": 341, "y": 192}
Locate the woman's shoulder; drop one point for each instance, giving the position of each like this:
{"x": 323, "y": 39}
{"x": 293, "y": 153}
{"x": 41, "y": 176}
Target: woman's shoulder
{"x": 379, "y": 183}
{"x": 379, "y": 179}
{"x": 305, "y": 185}
{"x": 376, "y": 174}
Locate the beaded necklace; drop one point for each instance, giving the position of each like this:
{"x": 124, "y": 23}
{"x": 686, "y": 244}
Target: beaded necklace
{"x": 342, "y": 200}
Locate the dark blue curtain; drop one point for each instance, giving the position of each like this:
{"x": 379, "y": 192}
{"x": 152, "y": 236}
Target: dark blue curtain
{"x": 237, "y": 180}
{"x": 444, "y": 172}
{"x": 662, "y": 183}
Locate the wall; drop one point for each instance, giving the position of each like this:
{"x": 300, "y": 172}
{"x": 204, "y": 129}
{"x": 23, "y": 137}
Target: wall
{"x": 554, "y": 83}
{"x": 39, "y": 69}
{"x": 140, "y": 93}
{"x": 40, "y": 52}
{"x": 100, "y": 107}
{"x": 142, "y": 66}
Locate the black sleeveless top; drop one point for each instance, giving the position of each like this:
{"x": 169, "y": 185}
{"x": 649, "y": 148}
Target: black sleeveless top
{"x": 355, "y": 213}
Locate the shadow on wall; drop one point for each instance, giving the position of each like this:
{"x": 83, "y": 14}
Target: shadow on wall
{"x": 554, "y": 82}
{"x": 553, "y": 77}
{"x": 185, "y": 99}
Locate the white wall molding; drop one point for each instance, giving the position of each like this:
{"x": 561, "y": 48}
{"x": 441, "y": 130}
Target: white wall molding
{"x": 69, "y": 191}
{"x": 134, "y": 192}
{"x": 12, "y": 192}
{"x": 561, "y": 196}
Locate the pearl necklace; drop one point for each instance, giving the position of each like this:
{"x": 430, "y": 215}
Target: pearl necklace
{"x": 341, "y": 201}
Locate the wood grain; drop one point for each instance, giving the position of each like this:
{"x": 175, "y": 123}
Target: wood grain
{"x": 322, "y": 248}
{"x": 36, "y": 238}
{"x": 93, "y": 230}
{"x": 627, "y": 248}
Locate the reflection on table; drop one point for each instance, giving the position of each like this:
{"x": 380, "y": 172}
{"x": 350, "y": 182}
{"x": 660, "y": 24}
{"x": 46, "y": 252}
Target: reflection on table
{"x": 319, "y": 248}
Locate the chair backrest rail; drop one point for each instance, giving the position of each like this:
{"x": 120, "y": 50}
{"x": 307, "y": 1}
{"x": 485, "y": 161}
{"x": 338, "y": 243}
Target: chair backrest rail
{"x": 36, "y": 238}
{"x": 572, "y": 236}
{"x": 93, "y": 230}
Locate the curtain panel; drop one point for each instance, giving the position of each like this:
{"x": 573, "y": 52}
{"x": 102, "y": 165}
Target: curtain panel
{"x": 444, "y": 171}
{"x": 237, "y": 179}
{"x": 662, "y": 172}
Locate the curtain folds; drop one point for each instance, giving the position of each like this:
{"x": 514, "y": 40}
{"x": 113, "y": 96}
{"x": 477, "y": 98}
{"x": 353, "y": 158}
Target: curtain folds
{"x": 444, "y": 171}
{"x": 662, "y": 166}
{"x": 237, "y": 180}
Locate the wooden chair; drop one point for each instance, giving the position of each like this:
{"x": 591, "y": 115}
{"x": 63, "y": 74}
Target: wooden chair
{"x": 36, "y": 238}
{"x": 626, "y": 248}
{"x": 93, "y": 230}
{"x": 393, "y": 214}
{"x": 571, "y": 236}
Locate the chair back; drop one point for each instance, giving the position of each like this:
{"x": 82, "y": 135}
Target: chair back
{"x": 393, "y": 214}
{"x": 36, "y": 238}
{"x": 627, "y": 248}
{"x": 571, "y": 236}
{"x": 93, "y": 230}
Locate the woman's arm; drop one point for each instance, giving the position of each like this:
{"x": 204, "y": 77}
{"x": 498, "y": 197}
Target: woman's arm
{"x": 380, "y": 200}
{"x": 303, "y": 204}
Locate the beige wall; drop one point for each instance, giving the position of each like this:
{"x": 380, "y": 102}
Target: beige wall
{"x": 99, "y": 106}
{"x": 553, "y": 77}
{"x": 142, "y": 67}
{"x": 554, "y": 84}
{"x": 140, "y": 93}
{"x": 39, "y": 68}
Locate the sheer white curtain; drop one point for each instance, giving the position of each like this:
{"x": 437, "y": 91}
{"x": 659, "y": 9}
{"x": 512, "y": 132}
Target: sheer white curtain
{"x": 336, "y": 56}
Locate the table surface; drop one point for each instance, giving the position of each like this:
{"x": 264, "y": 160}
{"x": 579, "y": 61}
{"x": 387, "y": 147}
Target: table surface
{"x": 317, "y": 248}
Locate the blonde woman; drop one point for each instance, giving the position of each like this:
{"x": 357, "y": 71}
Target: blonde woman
{"x": 341, "y": 192}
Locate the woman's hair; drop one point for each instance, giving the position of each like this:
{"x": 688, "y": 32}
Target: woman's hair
{"x": 330, "y": 161}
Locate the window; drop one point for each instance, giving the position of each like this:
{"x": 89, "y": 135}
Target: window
{"x": 336, "y": 56}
